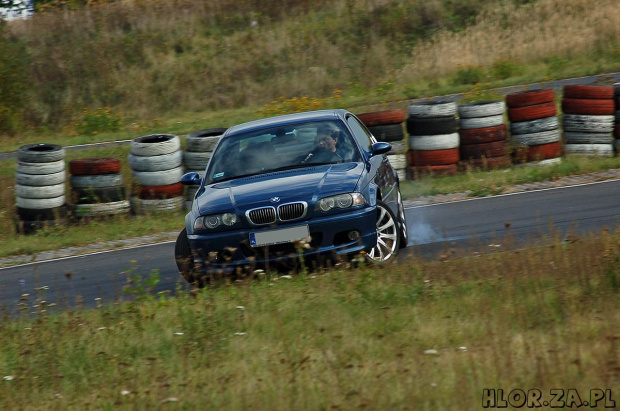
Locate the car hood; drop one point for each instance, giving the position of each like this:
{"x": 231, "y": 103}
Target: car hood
{"x": 305, "y": 184}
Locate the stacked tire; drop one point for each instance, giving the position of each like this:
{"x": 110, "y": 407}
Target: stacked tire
{"x": 40, "y": 187}
{"x": 156, "y": 163}
{"x": 483, "y": 135}
{"x": 534, "y": 127}
{"x": 199, "y": 146}
{"x": 588, "y": 120}
{"x": 617, "y": 118}
{"x": 387, "y": 126}
{"x": 433, "y": 139}
{"x": 97, "y": 188}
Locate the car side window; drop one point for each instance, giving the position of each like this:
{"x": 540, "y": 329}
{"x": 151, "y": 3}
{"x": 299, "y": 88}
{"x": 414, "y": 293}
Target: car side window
{"x": 360, "y": 133}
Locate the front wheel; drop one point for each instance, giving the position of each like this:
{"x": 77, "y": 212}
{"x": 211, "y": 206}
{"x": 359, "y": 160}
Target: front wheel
{"x": 388, "y": 236}
{"x": 185, "y": 260}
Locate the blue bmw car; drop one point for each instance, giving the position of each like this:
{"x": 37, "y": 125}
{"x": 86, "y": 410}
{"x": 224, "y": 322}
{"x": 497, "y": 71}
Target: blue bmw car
{"x": 306, "y": 188}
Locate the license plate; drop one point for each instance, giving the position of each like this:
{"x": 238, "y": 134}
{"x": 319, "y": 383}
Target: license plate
{"x": 283, "y": 235}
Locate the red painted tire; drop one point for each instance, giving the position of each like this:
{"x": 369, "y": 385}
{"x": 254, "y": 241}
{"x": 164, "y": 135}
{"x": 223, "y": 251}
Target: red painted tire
{"x": 483, "y": 135}
{"x": 544, "y": 151}
{"x": 534, "y": 112}
{"x": 420, "y": 171}
{"x": 432, "y": 157}
{"x": 530, "y": 98}
{"x": 94, "y": 166}
{"x": 161, "y": 192}
{"x": 491, "y": 163}
{"x": 588, "y": 106}
{"x": 377, "y": 118}
{"x": 588, "y": 92}
{"x": 476, "y": 151}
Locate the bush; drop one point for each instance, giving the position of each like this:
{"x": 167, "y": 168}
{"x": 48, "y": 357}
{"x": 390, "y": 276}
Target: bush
{"x": 97, "y": 121}
{"x": 15, "y": 85}
{"x": 468, "y": 75}
{"x": 506, "y": 68}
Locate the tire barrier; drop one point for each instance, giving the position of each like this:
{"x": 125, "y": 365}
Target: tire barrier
{"x": 482, "y": 134}
{"x": 387, "y": 125}
{"x": 617, "y": 118}
{"x": 433, "y": 139}
{"x": 589, "y": 119}
{"x": 40, "y": 187}
{"x": 97, "y": 188}
{"x": 534, "y": 128}
{"x": 199, "y": 146}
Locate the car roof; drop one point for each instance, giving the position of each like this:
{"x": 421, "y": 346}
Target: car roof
{"x": 287, "y": 119}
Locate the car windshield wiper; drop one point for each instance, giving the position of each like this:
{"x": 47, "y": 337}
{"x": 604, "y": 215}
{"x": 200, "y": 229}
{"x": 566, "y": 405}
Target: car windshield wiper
{"x": 294, "y": 166}
{"x": 289, "y": 167}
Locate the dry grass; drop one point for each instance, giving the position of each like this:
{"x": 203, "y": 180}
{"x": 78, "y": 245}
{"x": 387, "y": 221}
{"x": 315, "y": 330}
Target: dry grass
{"x": 536, "y": 318}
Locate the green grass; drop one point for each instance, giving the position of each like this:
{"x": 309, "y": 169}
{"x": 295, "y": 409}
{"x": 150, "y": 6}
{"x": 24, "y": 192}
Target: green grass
{"x": 536, "y": 318}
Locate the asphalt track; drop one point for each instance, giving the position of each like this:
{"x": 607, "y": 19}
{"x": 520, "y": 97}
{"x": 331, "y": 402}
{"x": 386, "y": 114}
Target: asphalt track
{"x": 475, "y": 225}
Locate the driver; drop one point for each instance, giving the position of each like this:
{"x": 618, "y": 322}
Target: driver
{"x": 326, "y": 142}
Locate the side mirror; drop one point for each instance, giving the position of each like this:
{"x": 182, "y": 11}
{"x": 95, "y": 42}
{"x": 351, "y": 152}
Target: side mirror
{"x": 190, "y": 179}
{"x": 380, "y": 148}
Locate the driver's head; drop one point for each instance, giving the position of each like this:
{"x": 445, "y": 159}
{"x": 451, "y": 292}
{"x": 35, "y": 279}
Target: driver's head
{"x": 327, "y": 137}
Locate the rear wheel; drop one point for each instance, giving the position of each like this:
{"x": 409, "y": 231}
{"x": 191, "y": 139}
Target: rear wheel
{"x": 404, "y": 236}
{"x": 185, "y": 261}
{"x": 388, "y": 237}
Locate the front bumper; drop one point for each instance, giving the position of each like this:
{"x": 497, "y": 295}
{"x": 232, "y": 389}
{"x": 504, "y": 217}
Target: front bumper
{"x": 229, "y": 251}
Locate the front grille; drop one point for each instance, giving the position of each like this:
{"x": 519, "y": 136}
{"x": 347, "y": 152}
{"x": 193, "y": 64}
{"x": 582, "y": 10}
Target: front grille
{"x": 265, "y": 215}
{"x": 291, "y": 211}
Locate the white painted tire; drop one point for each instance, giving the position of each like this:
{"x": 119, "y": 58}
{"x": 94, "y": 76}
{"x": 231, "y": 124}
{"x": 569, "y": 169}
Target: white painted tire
{"x": 597, "y": 150}
{"x": 195, "y": 160}
{"x": 535, "y": 139}
{"x": 40, "y": 191}
{"x": 200, "y": 144}
{"x": 398, "y": 147}
{"x": 482, "y": 109}
{"x": 40, "y": 179}
{"x": 41, "y": 168}
{"x": 402, "y": 174}
{"x": 96, "y": 181}
{"x": 571, "y": 137}
{"x": 588, "y": 123}
{"x": 142, "y": 206}
{"x": 436, "y": 142}
{"x": 99, "y": 209}
{"x": 433, "y": 109}
{"x": 398, "y": 161}
{"x": 39, "y": 203}
{"x": 159, "y": 178}
{"x": 155, "y": 145}
{"x": 481, "y": 122}
{"x": 534, "y": 126}
{"x": 40, "y": 153}
{"x": 156, "y": 163}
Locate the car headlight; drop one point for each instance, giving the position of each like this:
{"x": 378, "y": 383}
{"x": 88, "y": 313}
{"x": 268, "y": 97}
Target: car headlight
{"x": 340, "y": 201}
{"x": 214, "y": 221}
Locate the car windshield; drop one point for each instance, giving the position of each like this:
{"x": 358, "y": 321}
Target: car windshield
{"x": 280, "y": 148}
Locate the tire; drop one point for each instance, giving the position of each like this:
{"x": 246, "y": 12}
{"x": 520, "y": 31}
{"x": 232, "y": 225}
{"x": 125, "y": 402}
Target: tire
{"x": 435, "y": 142}
{"x": 534, "y": 112}
{"x": 98, "y": 195}
{"x": 415, "y": 172}
{"x": 94, "y": 166}
{"x": 196, "y": 160}
{"x": 155, "y": 145}
{"x": 40, "y": 179}
{"x": 398, "y": 161}
{"x": 40, "y": 203}
{"x": 40, "y": 153}
{"x": 378, "y": 118}
{"x": 474, "y": 151}
{"x": 617, "y": 131}
{"x": 41, "y": 168}
{"x": 201, "y": 172}
{"x": 388, "y": 132}
{"x": 185, "y": 261}
{"x": 530, "y": 98}
{"x": 96, "y": 181}
{"x": 490, "y": 163}
{"x": 571, "y": 137}
{"x": 202, "y": 141}
{"x": 432, "y": 157}
{"x": 30, "y": 227}
{"x": 533, "y": 139}
{"x": 398, "y": 147}
{"x": 544, "y": 151}
{"x": 402, "y": 220}
{"x": 588, "y": 123}
{"x": 52, "y": 191}
{"x": 161, "y": 192}
{"x": 588, "y": 106}
{"x": 588, "y": 92}
{"x": 41, "y": 214}
{"x": 156, "y": 163}
{"x": 143, "y": 206}
{"x": 159, "y": 178}
{"x": 535, "y": 126}
{"x": 482, "y": 109}
{"x": 481, "y": 122}
{"x": 101, "y": 209}
{"x": 432, "y": 109}
{"x": 483, "y": 135}
{"x": 431, "y": 125}
{"x": 601, "y": 150}
{"x": 388, "y": 237}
